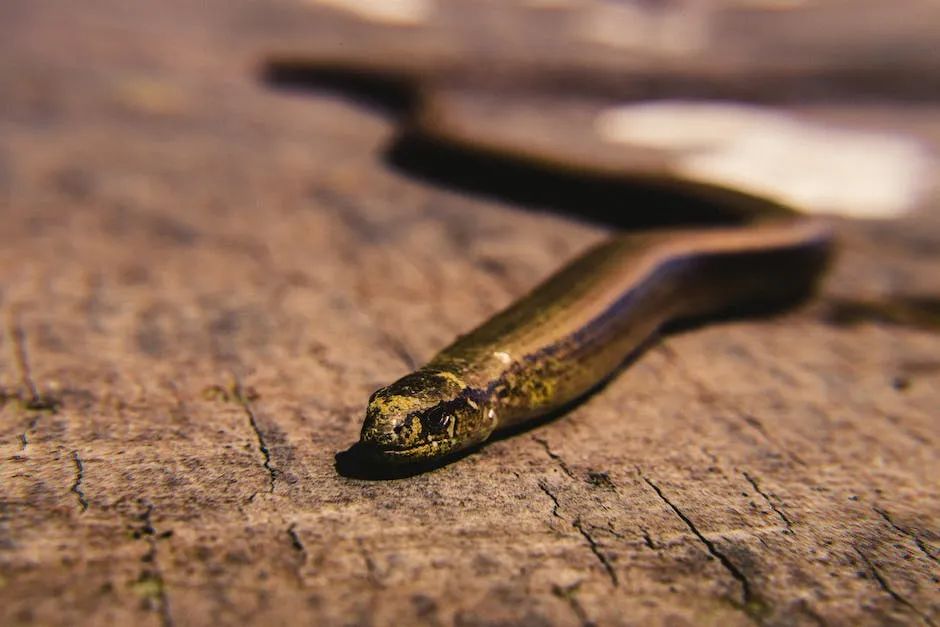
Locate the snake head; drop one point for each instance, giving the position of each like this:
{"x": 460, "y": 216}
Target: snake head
{"x": 424, "y": 416}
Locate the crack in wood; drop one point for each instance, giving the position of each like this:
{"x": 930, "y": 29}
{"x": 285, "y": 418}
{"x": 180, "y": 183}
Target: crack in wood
{"x": 569, "y": 595}
{"x": 554, "y": 499}
{"x": 766, "y": 497}
{"x": 77, "y": 488}
{"x": 299, "y": 549}
{"x": 751, "y": 602}
{"x": 24, "y": 437}
{"x": 33, "y": 399}
{"x": 883, "y": 583}
{"x": 295, "y": 540}
{"x": 916, "y": 538}
{"x": 242, "y": 399}
{"x": 21, "y": 359}
{"x": 372, "y": 570}
{"x": 758, "y": 426}
{"x": 151, "y": 583}
{"x": 555, "y": 457}
{"x": 577, "y": 524}
{"x": 595, "y": 549}
{"x": 610, "y": 529}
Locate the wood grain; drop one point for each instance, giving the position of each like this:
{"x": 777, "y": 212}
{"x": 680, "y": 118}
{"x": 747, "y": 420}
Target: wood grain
{"x": 202, "y": 279}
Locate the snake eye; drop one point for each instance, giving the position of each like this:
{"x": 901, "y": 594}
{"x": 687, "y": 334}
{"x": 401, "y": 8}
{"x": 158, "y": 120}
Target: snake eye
{"x": 437, "y": 420}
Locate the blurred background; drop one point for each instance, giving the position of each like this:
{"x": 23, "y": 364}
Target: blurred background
{"x": 224, "y": 224}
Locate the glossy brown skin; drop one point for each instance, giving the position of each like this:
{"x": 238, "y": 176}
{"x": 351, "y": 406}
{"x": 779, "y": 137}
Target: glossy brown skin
{"x": 574, "y": 331}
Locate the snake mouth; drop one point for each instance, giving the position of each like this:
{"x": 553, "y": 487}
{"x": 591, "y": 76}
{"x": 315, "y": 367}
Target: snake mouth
{"x": 407, "y": 455}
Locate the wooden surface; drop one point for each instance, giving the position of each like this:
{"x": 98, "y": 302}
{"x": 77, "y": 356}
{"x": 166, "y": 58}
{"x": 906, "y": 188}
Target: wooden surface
{"x": 202, "y": 279}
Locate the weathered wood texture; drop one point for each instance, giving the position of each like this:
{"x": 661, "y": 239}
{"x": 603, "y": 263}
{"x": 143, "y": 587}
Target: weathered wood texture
{"x": 202, "y": 280}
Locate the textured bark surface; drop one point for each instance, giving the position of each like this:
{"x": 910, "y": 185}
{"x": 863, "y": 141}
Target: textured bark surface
{"x": 202, "y": 279}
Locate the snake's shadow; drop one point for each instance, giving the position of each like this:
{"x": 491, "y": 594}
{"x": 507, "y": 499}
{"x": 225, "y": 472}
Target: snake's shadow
{"x": 619, "y": 201}
{"x": 612, "y": 200}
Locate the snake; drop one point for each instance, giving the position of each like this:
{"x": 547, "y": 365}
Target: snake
{"x": 576, "y": 329}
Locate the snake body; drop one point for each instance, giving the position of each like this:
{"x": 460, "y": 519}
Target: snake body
{"x": 572, "y": 332}
{"x": 575, "y": 330}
